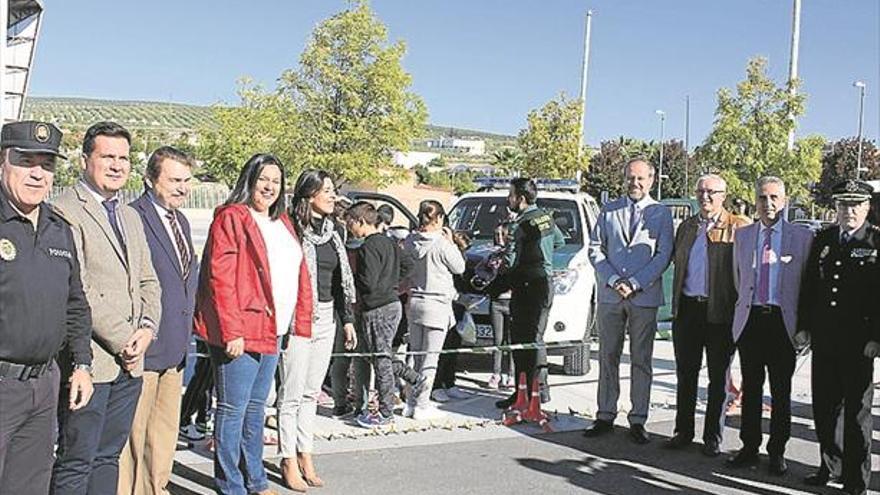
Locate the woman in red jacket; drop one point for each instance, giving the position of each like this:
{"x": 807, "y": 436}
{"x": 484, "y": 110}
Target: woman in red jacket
{"x": 248, "y": 303}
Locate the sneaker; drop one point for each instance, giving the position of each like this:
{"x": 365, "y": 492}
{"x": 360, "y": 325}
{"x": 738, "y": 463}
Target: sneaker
{"x": 191, "y": 433}
{"x": 457, "y": 393}
{"x": 439, "y": 395}
{"x": 407, "y": 411}
{"x": 427, "y": 413}
{"x": 343, "y": 411}
{"x": 373, "y": 420}
{"x": 494, "y": 382}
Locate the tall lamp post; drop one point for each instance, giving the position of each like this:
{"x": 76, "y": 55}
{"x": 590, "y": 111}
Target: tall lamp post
{"x": 662, "y": 116}
{"x": 861, "y": 86}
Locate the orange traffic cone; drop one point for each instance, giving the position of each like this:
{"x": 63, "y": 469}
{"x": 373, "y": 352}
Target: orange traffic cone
{"x": 534, "y": 412}
{"x": 511, "y": 417}
{"x": 522, "y": 400}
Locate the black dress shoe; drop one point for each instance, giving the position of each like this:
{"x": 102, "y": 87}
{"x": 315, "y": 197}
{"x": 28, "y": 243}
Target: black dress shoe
{"x": 711, "y": 448}
{"x": 819, "y": 478}
{"x": 854, "y": 490}
{"x": 743, "y": 458}
{"x": 638, "y": 434}
{"x": 677, "y": 442}
{"x": 777, "y": 465}
{"x": 506, "y": 403}
{"x": 599, "y": 427}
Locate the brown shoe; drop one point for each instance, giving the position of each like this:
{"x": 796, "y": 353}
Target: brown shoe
{"x": 292, "y": 478}
{"x": 307, "y": 468}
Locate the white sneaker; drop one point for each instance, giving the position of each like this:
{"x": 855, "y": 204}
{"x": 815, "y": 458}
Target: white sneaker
{"x": 439, "y": 395}
{"x": 407, "y": 411}
{"x": 427, "y": 413}
{"x": 457, "y": 393}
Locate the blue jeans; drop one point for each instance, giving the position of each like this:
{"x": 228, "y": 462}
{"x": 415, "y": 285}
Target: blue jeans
{"x": 242, "y": 388}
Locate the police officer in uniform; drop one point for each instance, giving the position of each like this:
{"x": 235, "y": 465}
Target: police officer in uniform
{"x": 42, "y": 308}
{"x": 838, "y": 316}
{"x": 535, "y": 236}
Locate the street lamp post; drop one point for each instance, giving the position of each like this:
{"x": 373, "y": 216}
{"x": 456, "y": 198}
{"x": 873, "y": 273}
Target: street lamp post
{"x": 861, "y": 86}
{"x": 662, "y": 116}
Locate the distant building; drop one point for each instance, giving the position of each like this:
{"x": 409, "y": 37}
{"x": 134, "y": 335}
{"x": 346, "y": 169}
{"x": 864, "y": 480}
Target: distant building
{"x": 467, "y": 146}
{"x": 410, "y": 159}
{"x": 476, "y": 168}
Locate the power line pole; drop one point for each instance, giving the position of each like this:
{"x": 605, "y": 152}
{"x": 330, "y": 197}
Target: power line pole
{"x": 584, "y": 74}
{"x": 687, "y": 136}
{"x": 793, "y": 60}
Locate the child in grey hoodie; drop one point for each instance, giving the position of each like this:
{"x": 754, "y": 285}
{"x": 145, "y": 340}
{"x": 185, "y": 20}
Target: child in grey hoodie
{"x": 436, "y": 259}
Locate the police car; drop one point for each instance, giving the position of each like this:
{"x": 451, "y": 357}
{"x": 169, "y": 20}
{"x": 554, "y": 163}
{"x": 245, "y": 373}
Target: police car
{"x": 572, "y": 316}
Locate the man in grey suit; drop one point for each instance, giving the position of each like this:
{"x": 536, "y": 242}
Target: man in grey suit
{"x": 630, "y": 247}
{"x": 124, "y": 294}
{"x": 769, "y": 260}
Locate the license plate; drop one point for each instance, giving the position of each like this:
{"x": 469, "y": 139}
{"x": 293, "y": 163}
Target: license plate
{"x": 485, "y": 331}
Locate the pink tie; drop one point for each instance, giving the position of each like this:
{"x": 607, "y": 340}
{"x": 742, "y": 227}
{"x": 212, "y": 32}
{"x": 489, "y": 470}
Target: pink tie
{"x": 764, "y": 275}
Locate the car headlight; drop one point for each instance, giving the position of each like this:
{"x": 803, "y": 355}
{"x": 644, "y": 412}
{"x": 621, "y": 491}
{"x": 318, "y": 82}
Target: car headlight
{"x": 563, "y": 281}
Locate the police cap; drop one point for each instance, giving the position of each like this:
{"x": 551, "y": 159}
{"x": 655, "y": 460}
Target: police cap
{"x": 852, "y": 191}
{"x": 31, "y": 137}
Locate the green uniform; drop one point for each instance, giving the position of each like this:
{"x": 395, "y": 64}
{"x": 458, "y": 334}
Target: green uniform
{"x": 531, "y": 269}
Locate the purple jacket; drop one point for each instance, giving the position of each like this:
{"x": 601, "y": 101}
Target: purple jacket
{"x": 796, "y": 242}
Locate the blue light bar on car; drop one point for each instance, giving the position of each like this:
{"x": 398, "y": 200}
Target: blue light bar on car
{"x": 493, "y": 183}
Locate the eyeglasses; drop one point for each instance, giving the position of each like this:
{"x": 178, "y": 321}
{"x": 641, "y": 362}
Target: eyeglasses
{"x": 709, "y": 192}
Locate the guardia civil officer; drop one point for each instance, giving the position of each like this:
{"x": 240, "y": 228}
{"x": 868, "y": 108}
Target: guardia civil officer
{"x": 535, "y": 236}
{"x": 43, "y": 307}
{"x": 838, "y": 315}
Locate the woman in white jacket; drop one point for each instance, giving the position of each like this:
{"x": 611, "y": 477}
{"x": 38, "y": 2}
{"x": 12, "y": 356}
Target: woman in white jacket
{"x": 436, "y": 259}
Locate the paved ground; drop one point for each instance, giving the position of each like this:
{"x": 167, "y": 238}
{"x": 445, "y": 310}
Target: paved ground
{"x": 469, "y": 452}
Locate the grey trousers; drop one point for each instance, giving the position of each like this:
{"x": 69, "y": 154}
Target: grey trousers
{"x": 422, "y": 338}
{"x": 615, "y": 320}
{"x": 378, "y": 327}
{"x": 303, "y": 366}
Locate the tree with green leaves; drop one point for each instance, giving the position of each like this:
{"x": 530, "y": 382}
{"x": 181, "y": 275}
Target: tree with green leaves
{"x": 606, "y": 165}
{"x": 551, "y": 144}
{"x": 750, "y": 136}
{"x": 839, "y": 163}
{"x": 675, "y": 161}
{"x": 345, "y": 108}
{"x": 506, "y": 160}
{"x": 353, "y": 97}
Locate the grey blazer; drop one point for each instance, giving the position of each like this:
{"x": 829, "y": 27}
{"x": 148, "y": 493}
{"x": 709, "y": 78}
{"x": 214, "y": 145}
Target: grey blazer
{"x": 641, "y": 258}
{"x": 121, "y": 288}
{"x": 796, "y": 242}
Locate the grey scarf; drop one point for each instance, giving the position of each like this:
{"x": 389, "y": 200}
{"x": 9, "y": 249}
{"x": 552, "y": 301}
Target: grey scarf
{"x": 312, "y": 239}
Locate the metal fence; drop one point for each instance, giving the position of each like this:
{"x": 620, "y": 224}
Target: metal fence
{"x": 207, "y": 196}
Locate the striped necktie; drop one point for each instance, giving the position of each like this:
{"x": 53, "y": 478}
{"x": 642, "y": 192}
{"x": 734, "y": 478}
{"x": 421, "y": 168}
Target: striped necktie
{"x": 180, "y": 242}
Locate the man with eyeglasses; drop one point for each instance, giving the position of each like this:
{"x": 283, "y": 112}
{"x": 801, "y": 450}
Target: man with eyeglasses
{"x": 703, "y": 298}
{"x": 44, "y": 309}
{"x": 839, "y": 317}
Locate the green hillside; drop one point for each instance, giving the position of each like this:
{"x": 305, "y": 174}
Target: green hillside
{"x": 79, "y": 113}
{"x": 73, "y": 113}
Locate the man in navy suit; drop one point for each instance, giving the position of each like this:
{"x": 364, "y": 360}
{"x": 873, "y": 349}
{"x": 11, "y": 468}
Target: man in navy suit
{"x": 145, "y": 464}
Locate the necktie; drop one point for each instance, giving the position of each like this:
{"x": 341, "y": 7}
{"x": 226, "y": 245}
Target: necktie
{"x": 180, "y": 242}
{"x": 844, "y": 238}
{"x": 633, "y": 219}
{"x": 764, "y": 284}
{"x": 110, "y": 205}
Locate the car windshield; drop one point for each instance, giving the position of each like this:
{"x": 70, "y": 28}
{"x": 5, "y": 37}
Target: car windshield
{"x": 478, "y": 217}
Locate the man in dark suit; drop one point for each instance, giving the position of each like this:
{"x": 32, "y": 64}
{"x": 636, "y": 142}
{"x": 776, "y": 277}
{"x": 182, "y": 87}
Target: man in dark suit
{"x": 124, "y": 294}
{"x": 145, "y": 464}
{"x": 768, "y": 263}
{"x": 703, "y": 296}
{"x": 838, "y": 314}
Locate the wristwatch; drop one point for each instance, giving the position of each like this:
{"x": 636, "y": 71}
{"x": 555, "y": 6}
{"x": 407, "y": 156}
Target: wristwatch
{"x": 85, "y": 367}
